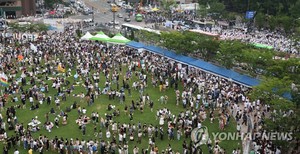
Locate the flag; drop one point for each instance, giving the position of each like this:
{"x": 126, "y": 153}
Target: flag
{"x": 3, "y": 79}
{"x": 60, "y": 68}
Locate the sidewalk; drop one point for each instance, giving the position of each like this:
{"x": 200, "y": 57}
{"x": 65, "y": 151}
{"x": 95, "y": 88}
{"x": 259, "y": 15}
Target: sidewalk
{"x": 246, "y": 144}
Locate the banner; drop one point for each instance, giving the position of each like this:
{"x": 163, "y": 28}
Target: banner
{"x": 3, "y": 79}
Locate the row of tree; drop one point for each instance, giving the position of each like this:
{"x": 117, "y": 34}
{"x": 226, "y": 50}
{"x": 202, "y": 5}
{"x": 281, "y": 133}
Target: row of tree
{"x": 230, "y": 54}
{"x": 29, "y": 27}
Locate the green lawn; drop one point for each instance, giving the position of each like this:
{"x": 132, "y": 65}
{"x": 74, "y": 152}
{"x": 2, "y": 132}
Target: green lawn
{"x": 71, "y": 130}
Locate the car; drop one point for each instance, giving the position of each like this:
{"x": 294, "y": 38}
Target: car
{"x": 120, "y": 15}
{"x": 88, "y": 20}
{"x": 127, "y": 19}
{"x": 112, "y": 23}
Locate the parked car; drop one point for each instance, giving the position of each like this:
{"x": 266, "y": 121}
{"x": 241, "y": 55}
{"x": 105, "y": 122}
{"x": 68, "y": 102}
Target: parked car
{"x": 120, "y": 16}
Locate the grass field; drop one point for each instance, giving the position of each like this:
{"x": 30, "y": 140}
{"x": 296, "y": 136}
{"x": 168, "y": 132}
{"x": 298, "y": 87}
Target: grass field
{"x": 71, "y": 130}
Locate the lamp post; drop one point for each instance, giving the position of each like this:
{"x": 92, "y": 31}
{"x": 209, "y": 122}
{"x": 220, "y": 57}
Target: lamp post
{"x": 93, "y": 16}
{"x": 114, "y": 9}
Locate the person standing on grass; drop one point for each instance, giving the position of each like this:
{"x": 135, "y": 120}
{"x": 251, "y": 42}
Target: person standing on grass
{"x": 108, "y": 134}
{"x": 135, "y": 150}
{"x": 30, "y": 151}
{"x": 83, "y": 129}
{"x": 161, "y": 132}
{"x": 140, "y": 134}
{"x": 131, "y": 116}
{"x": 56, "y": 122}
{"x": 16, "y": 151}
{"x": 57, "y": 102}
{"x": 5, "y": 149}
{"x": 238, "y": 128}
{"x": 179, "y": 134}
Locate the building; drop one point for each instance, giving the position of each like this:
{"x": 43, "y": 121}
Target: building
{"x": 17, "y": 8}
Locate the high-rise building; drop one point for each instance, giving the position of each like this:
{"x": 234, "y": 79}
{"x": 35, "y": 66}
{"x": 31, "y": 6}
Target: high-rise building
{"x": 28, "y": 7}
{"x": 17, "y": 8}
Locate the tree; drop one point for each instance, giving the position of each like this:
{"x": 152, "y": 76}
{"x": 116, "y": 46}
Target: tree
{"x": 180, "y": 42}
{"x": 216, "y": 9}
{"x": 148, "y": 37}
{"x": 260, "y": 20}
{"x": 207, "y": 48}
{"x": 50, "y": 3}
{"x": 257, "y": 60}
{"x": 285, "y": 22}
{"x": 296, "y": 97}
{"x": 42, "y": 27}
{"x": 166, "y": 4}
{"x": 271, "y": 91}
{"x": 229, "y": 53}
{"x": 294, "y": 10}
{"x": 281, "y": 68}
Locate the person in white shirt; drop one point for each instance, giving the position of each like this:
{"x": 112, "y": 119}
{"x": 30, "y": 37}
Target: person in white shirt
{"x": 16, "y": 151}
{"x": 108, "y": 134}
{"x": 84, "y": 111}
{"x": 238, "y": 128}
{"x": 135, "y": 150}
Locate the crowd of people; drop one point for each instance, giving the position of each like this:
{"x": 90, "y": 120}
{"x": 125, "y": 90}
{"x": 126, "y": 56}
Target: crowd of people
{"x": 277, "y": 40}
{"x": 200, "y": 95}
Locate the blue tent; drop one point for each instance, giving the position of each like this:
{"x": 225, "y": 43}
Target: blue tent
{"x": 135, "y": 45}
{"x": 205, "y": 66}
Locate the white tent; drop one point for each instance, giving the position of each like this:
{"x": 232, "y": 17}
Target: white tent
{"x": 87, "y": 36}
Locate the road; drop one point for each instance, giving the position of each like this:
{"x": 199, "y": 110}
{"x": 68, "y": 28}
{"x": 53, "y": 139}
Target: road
{"x": 103, "y": 14}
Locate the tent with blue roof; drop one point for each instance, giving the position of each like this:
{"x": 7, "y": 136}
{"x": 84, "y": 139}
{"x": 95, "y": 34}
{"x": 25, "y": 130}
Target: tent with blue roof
{"x": 155, "y": 49}
{"x": 198, "y": 63}
{"x": 136, "y": 45}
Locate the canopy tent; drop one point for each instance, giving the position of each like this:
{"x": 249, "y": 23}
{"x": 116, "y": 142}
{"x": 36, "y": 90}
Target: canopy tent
{"x": 258, "y": 45}
{"x": 118, "y": 39}
{"x": 86, "y": 36}
{"x": 100, "y": 36}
